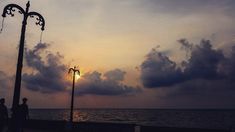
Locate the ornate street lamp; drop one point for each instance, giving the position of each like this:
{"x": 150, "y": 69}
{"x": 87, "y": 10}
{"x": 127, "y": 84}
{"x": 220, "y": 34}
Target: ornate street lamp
{"x": 10, "y": 10}
{"x": 74, "y": 70}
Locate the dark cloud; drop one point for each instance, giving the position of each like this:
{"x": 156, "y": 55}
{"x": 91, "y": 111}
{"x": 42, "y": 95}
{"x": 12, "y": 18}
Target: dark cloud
{"x": 227, "y": 66}
{"x": 110, "y": 84}
{"x": 205, "y": 80}
{"x": 49, "y": 76}
{"x": 185, "y": 45}
{"x": 158, "y": 70}
{"x": 204, "y": 62}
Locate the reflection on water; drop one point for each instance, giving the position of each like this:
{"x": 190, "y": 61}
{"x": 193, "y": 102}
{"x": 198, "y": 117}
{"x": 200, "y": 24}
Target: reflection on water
{"x": 173, "y": 118}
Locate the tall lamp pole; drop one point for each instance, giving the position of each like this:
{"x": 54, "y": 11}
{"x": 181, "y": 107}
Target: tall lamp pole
{"x": 10, "y": 10}
{"x": 74, "y": 70}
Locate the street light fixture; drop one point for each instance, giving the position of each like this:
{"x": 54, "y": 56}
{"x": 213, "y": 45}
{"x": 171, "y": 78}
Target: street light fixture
{"x": 74, "y": 70}
{"x": 10, "y": 10}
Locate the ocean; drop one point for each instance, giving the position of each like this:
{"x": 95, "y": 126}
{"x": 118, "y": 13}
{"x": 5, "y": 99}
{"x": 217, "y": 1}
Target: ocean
{"x": 190, "y": 118}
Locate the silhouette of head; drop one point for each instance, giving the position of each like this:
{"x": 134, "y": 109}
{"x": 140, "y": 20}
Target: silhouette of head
{"x": 2, "y": 101}
{"x": 24, "y": 100}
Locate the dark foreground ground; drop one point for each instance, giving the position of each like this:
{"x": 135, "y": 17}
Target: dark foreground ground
{"x": 63, "y": 126}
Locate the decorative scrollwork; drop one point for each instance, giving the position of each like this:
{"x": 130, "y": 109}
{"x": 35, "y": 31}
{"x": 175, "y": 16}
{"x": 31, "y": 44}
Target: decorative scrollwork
{"x": 39, "y": 19}
{"x": 11, "y": 8}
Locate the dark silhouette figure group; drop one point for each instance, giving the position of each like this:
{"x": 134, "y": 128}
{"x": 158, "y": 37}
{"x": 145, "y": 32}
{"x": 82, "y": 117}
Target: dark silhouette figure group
{"x": 19, "y": 116}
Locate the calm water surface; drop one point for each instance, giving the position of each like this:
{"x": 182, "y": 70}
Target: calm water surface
{"x": 224, "y": 119}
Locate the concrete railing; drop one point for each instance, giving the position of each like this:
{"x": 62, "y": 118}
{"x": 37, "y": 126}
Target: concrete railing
{"x": 63, "y": 126}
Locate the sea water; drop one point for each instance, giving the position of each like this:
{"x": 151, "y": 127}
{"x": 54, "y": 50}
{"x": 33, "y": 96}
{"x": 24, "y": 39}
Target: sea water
{"x": 190, "y": 118}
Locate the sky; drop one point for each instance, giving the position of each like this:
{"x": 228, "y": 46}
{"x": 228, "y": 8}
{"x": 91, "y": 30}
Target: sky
{"x": 131, "y": 53}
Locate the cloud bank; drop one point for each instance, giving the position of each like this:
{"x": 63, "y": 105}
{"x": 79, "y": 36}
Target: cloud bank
{"x": 205, "y": 79}
{"x": 109, "y": 84}
{"x": 204, "y": 62}
{"x": 49, "y": 73}
{"x": 158, "y": 70}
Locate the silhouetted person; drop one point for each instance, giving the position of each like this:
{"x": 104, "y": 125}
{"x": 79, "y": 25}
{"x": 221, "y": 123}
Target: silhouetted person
{"x": 3, "y": 114}
{"x": 22, "y": 114}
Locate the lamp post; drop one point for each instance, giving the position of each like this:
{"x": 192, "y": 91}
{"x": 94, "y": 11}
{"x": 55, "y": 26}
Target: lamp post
{"x": 74, "y": 70}
{"x": 10, "y": 10}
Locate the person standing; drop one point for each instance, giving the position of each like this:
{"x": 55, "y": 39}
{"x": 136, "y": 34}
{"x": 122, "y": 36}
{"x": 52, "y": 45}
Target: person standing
{"x": 3, "y": 114}
{"x": 22, "y": 114}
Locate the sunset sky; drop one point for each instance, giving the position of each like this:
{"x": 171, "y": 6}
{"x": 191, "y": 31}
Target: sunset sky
{"x": 131, "y": 53}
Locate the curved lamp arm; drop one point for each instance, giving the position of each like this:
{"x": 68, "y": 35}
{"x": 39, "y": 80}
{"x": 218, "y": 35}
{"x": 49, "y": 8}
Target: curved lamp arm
{"x": 10, "y": 9}
{"x": 40, "y": 20}
{"x": 70, "y": 69}
{"x": 74, "y": 70}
